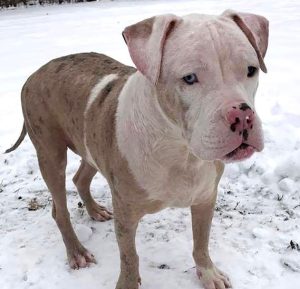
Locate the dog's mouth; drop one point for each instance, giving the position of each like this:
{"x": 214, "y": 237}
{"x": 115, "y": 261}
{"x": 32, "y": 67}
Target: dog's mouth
{"x": 242, "y": 152}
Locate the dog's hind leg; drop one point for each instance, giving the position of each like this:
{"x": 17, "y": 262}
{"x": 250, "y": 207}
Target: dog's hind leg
{"x": 52, "y": 158}
{"x": 82, "y": 181}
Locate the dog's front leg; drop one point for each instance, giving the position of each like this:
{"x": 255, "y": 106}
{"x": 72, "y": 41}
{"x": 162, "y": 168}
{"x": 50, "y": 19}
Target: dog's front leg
{"x": 210, "y": 276}
{"x": 126, "y": 221}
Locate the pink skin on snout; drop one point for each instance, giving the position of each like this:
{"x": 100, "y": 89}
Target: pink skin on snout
{"x": 241, "y": 119}
{"x": 233, "y": 132}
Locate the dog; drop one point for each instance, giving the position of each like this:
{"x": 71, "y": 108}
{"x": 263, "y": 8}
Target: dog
{"x": 160, "y": 133}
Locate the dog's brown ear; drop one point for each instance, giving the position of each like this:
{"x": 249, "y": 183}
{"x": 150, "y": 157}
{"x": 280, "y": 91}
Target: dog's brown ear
{"x": 256, "y": 28}
{"x": 145, "y": 41}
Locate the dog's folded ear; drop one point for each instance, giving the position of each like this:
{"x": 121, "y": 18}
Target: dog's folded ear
{"x": 256, "y": 28}
{"x": 145, "y": 41}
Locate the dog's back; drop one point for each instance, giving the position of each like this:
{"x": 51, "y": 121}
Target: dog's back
{"x": 56, "y": 96}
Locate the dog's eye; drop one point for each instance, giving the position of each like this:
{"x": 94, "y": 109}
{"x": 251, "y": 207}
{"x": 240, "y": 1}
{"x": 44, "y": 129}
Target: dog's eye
{"x": 190, "y": 78}
{"x": 251, "y": 71}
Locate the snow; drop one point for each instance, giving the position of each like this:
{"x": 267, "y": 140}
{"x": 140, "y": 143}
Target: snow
{"x": 258, "y": 209}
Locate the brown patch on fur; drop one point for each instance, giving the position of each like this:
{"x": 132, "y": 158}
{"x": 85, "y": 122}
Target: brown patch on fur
{"x": 58, "y": 92}
{"x": 105, "y": 92}
{"x": 63, "y": 115}
{"x": 60, "y": 99}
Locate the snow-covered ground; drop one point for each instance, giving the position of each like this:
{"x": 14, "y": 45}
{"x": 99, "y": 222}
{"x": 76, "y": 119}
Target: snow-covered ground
{"x": 258, "y": 209}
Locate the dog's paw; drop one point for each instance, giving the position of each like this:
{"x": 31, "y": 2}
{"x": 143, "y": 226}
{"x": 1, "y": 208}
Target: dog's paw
{"x": 213, "y": 278}
{"x": 80, "y": 258}
{"x": 132, "y": 282}
{"x": 98, "y": 212}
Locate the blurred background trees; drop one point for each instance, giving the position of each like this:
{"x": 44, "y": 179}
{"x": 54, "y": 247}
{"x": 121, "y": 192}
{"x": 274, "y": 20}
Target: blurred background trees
{"x": 15, "y": 3}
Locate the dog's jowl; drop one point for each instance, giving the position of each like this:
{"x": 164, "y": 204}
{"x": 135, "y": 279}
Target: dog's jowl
{"x": 160, "y": 133}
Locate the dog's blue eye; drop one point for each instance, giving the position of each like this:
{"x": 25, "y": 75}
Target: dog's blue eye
{"x": 251, "y": 71}
{"x": 190, "y": 78}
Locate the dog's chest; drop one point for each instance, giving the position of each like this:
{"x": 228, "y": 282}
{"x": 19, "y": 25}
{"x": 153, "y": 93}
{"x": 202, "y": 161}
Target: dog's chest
{"x": 182, "y": 184}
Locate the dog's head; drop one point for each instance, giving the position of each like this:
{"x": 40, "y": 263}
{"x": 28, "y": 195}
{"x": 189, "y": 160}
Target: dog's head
{"x": 206, "y": 72}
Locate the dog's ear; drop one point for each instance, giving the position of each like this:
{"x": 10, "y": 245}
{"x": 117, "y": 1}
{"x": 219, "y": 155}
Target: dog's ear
{"x": 145, "y": 41}
{"x": 256, "y": 28}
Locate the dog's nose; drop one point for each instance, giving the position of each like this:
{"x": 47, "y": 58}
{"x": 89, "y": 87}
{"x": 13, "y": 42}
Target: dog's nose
{"x": 240, "y": 118}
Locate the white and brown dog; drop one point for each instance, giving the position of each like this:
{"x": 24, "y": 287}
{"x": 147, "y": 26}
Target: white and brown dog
{"x": 159, "y": 134}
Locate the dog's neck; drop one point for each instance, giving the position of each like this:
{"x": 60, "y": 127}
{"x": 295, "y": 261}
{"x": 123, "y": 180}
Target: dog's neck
{"x": 153, "y": 145}
{"x": 141, "y": 123}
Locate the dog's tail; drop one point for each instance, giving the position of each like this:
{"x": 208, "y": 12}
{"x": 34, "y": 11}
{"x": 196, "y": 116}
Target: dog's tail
{"x": 20, "y": 139}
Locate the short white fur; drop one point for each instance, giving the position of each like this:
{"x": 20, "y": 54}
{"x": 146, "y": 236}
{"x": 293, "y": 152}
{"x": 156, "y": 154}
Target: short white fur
{"x": 156, "y": 152}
